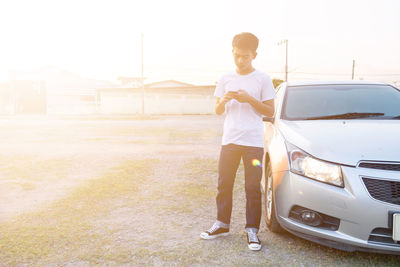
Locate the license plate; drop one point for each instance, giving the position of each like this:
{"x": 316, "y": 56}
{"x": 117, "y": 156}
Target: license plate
{"x": 396, "y": 226}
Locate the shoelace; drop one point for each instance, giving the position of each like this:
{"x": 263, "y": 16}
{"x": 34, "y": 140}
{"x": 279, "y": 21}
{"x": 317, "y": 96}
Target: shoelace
{"x": 213, "y": 228}
{"x": 252, "y": 237}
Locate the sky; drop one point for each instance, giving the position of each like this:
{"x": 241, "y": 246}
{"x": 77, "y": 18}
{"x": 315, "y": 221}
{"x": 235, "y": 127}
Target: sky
{"x": 190, "y": 40}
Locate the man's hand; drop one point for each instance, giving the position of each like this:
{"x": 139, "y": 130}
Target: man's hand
{"x": 228, "y": 96}
{"x": 265, "y": 108}
{"x": 242, "y": 96}
{"x": 220, "y": 105}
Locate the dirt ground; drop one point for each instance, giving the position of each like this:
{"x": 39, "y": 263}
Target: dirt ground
{"x": 43, "y": 159}
{"x": 130, "y": 192}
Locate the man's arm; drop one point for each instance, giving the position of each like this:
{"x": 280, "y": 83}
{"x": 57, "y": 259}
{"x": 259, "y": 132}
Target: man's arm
{"x": 220, "y": 104}
{"x": 265, "y": 108}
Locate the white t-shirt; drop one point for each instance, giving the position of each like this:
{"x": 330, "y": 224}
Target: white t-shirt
{"x": 243, "y": 124}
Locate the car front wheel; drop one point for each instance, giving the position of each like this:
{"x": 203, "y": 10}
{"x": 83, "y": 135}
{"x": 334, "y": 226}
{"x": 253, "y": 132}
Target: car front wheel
{"x": 270, "y": 215}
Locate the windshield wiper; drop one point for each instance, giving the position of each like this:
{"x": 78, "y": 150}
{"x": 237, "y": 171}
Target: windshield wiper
{"x": 349, "y": 115}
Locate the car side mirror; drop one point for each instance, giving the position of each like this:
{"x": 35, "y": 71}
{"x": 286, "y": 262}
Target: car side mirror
{"x": 269, "y": 119}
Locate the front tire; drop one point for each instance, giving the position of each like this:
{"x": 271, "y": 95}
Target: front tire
{"x": 270, "y": 214}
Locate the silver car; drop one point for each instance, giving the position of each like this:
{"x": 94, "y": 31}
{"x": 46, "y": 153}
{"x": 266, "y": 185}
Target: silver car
{"x": 332, "y": 164}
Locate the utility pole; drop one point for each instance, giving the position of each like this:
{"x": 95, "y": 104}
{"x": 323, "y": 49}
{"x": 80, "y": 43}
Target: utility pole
{"x": 352, "y": 72}
{"x": 142, "y": 78}
{"x": 286, "y": 65}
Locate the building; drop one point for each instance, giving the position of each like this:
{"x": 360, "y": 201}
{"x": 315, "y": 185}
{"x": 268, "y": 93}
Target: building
{"x": 22, "y": 97}
{"x": 51, "y": 90}
{"x": 164, "y": 97}
{"x": 66, "y": 93}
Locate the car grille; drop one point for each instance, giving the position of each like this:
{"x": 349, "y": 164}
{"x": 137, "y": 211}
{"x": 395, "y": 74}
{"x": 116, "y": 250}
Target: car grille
{"x": 383, "y": 190}
{"x": 380, "y": 166}
{"x": 382, "y": 236}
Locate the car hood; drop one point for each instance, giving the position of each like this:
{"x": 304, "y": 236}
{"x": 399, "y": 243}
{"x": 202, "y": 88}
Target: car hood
{"x": 345, "y": 141}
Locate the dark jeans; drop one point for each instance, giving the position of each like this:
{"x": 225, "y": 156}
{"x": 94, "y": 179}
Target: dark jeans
{"x": 229, "y": 160}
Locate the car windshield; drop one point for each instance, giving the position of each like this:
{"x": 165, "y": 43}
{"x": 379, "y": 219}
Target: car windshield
{"x": 342, "y": 101}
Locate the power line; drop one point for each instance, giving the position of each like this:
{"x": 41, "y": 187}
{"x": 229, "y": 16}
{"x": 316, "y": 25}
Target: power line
{"x": 380, "y": 74}
{"x": 315, "y": 73}
{"x": 342, "y": 74}
{"x": 222, "y": 70}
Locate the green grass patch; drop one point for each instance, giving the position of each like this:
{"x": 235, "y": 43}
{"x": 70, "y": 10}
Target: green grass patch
{"x": 66, "y": 229}
{"x": 199, "y": 180}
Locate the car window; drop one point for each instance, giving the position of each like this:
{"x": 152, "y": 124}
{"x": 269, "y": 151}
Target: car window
{"x": 333, "y": 101}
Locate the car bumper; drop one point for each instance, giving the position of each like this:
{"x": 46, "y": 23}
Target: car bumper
{"x": 361, "y": 216}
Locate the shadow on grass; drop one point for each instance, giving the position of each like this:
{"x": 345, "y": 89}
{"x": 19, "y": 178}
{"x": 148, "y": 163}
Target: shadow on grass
{"x": 312, "y": 254}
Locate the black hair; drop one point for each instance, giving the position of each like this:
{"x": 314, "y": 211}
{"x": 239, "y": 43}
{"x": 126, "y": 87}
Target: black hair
{"x": 245, "y": 40}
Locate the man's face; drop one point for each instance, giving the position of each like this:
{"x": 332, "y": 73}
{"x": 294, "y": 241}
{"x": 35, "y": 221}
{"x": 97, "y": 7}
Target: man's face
{"x": 243, "y": 58}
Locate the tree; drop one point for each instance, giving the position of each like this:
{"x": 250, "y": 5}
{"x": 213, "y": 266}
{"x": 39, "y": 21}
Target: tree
{"x": 277, "y": 82}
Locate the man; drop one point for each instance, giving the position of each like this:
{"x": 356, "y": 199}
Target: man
{"x": 245, "y": 95}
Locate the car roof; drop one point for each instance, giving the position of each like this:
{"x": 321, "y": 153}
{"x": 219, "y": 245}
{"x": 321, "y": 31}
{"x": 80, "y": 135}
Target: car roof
{"x": 350, "y": 82}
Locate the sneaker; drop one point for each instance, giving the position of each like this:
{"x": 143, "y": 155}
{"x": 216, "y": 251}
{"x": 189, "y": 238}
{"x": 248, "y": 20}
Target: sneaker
{"x": 214, "y": 232}
{"x": 252, "y": 240}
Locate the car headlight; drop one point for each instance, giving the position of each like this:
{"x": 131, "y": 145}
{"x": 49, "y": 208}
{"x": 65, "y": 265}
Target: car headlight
{"x": 306, "y": 165}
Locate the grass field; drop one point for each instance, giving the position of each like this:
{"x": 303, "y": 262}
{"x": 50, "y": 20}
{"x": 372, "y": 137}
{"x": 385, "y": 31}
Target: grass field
{"x": 132, "y": 193}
